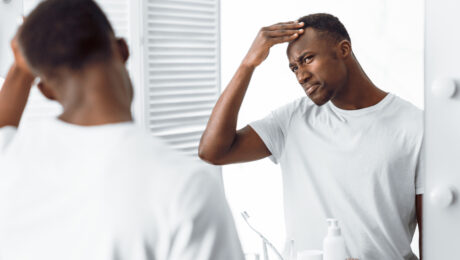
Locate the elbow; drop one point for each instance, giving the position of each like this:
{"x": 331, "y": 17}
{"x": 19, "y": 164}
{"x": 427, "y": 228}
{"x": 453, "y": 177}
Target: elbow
{"x": 209, "y": 156}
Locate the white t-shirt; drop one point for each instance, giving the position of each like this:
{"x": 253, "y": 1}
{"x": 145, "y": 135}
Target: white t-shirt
{"x": 108, "y": 192}
{"x": 359, "y": 166}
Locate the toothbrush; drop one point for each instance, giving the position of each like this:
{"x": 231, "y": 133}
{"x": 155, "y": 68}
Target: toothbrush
{"x": 264, "y": 239}
{"x": 292, "y": 251}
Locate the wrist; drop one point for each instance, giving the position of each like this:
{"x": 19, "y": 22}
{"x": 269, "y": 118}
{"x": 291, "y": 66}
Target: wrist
{"x": 248, "y": 64}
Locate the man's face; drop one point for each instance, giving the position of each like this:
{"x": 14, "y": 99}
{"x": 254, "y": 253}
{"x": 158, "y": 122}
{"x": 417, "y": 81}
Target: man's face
{"x": 313, "y": 58}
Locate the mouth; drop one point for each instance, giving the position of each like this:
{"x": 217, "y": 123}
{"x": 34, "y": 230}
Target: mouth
{"x": 309, "y": 89}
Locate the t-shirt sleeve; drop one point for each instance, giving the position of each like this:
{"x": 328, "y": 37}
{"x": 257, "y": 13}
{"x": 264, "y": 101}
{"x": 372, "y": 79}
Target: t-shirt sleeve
{"x": 273, "y": 129}
{"x": 6, "y": 136}
{"x": 204, "y": 228}
{"x": 420, "y": 172}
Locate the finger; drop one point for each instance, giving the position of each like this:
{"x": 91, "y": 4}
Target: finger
{"x": 282, "y": 39}
{"x": 290, "y": 22}
{"x": 280, "y": 33}
{"x": 284, "y": 26}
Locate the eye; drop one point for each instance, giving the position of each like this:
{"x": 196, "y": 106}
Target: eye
{"x": 308, "y": 59}
{"x": 294, "y": 68}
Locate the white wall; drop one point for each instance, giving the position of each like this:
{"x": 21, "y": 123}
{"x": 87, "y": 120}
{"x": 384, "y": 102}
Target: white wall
{"x": 387, "y": 38}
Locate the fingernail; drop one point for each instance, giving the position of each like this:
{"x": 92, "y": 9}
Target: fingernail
{"x": 295, "y": 35}
{"x": 301, "y": 23}
{"x": 300, "y": 30}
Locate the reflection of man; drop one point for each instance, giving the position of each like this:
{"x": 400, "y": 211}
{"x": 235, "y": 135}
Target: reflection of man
{"x": 355, "y": 158}
{"x": 90, "y": 185}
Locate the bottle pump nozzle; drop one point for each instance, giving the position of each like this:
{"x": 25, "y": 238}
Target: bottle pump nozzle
{"x": 333, "y": 227}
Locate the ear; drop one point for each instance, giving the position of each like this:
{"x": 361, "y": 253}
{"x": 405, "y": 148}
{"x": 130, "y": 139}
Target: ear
{"x": 123, "y": 49}
{"x": 46, "y": 90}
{"x": 344, "y": 49}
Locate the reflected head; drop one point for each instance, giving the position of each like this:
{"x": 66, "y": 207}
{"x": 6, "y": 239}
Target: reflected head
{"x": 320, "y": 57}
{"x": 327, "y": 24}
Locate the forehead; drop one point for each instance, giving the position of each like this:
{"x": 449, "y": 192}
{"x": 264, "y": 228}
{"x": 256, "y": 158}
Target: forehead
{"x": 310, "y": 40}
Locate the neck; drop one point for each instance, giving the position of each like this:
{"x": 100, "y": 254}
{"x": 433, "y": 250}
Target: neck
{"x": 99, "y": 94}
{"x": 359, "y": 91}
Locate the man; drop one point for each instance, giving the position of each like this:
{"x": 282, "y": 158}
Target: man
{"x": 348, "y": 150}
{"x": 91, "y": 185}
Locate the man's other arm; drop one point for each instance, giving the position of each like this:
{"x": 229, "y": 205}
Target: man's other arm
{"x": 15, "y": 90}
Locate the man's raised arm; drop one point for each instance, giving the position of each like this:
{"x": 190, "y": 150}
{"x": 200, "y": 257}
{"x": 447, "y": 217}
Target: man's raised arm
{"x": 15, "y": 90}
{"x": 221, "y": 143}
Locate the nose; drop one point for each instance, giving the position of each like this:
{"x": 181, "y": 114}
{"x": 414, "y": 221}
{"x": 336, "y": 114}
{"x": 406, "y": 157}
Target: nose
{"x": 303, "y": 76}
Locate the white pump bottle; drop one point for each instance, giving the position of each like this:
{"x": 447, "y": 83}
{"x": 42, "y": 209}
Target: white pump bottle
{"x": 334, "y": 244}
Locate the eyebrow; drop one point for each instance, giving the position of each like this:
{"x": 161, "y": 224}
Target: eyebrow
{"x": 300, "y": 57}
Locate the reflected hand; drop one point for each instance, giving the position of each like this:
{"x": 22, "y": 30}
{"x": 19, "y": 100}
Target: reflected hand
{"x": 19, "y": 59}
{"x": 269, "y": 36}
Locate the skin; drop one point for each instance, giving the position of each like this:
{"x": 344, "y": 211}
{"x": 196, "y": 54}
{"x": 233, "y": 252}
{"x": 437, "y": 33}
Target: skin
{"x": 325, "y": 68}
{"x": 100, "y": 93}
{"x": 15, "y": 90}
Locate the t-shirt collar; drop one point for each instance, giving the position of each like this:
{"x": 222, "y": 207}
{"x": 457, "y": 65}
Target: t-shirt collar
{"x": 358, "y": 112}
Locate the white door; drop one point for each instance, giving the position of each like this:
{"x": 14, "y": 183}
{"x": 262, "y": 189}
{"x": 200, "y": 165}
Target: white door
{"x": 442, "y": 130}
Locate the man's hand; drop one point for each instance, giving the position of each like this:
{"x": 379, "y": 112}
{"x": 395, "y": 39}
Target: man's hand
{"x": 269, "y": 36}
{"x": 16, "y": 89}
{"x": 19, "y": 60}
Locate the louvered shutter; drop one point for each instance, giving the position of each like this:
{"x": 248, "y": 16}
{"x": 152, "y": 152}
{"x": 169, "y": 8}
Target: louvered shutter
{"x": 181, "y": 74}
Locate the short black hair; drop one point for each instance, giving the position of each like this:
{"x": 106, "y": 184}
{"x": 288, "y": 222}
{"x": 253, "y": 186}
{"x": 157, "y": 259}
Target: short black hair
{"x": 328, "y": 24}
{"x": 65, "y": 34}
